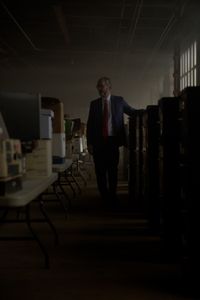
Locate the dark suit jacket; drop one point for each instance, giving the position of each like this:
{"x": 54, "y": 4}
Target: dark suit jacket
{"x": 95, "y": 118}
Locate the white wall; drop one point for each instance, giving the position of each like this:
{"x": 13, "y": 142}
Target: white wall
{"x": 76, "y": 85}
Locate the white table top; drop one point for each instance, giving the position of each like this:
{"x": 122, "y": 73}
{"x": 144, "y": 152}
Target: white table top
{"x": 32, "y": 188}
{"x": 62, "y": 167}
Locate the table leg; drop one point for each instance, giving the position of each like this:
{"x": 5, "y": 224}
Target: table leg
{"x": 35, "y": 237}
{"x": 48, "y": 220}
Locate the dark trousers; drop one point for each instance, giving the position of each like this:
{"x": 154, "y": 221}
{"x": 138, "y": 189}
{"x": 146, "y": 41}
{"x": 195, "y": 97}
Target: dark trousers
{"x": 106, "y": 159}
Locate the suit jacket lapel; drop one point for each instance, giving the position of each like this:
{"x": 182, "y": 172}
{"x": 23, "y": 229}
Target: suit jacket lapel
{"x": 100, "y": 110}
{"x": 113, "y": 110}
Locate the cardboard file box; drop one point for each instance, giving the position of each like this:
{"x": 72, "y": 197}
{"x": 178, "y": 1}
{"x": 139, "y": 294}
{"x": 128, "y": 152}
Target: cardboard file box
{"x": 58, "y": 109}
{"x": 39, "y": 162}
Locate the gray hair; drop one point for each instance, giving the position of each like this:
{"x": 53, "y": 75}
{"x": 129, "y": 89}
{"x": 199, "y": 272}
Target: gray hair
{"x": 106, "y": 80}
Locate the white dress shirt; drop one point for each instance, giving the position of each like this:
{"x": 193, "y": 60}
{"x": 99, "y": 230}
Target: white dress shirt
{"x": 110, "y": 127}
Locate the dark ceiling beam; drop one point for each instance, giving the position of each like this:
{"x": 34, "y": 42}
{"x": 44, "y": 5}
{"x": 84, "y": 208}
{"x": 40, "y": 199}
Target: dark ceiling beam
{"x": 112, "y": 3}
{"x": 12, "y": 54}
{"x": 135, "y": 19}
{"x": 120, "y": 23}
{"x": 118, "y": 18}
{"x": 27, "y": 37}
{"x": 62, "y": 23}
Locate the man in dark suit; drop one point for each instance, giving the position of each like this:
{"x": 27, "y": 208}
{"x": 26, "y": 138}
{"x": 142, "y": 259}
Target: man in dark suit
{"x": 105, "y": 134}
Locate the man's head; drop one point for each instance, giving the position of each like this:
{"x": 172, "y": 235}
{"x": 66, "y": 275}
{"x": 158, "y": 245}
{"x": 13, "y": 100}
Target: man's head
{"x": 104, "y": 87}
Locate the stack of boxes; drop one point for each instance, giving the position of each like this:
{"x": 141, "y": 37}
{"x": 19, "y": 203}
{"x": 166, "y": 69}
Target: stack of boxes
{"x": 10, "y": 166}
{"x": 39, "y": 160}
{"x": 77, "y": 147}
{"x": 83, "y": 136}
{"x": 69, "y": 134}
{"x": 75, "y": 137}
{"x": 79, "y": 140}
{"x": 10, "y": 161}
{"x": 58, "y": 138}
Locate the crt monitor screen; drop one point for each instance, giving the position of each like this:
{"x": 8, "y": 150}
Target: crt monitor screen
{"x": 21, "y": 114}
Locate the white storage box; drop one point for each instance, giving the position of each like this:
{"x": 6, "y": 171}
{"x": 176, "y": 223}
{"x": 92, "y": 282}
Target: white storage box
{"x": 59, "y": 147}
{"x": 46, "y": 128}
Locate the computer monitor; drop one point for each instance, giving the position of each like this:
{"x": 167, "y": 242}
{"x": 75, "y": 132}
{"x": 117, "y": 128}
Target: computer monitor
{"x": 21, "y": 114}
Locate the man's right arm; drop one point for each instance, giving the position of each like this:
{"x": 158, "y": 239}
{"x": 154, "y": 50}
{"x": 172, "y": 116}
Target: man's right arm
{"x": 127, "y": 108}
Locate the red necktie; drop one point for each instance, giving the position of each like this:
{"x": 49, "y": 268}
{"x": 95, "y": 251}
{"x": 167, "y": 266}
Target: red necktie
{"x": 105, "y": 119}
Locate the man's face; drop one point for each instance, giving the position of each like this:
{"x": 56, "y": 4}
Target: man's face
{"x": 103, "y": 89}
